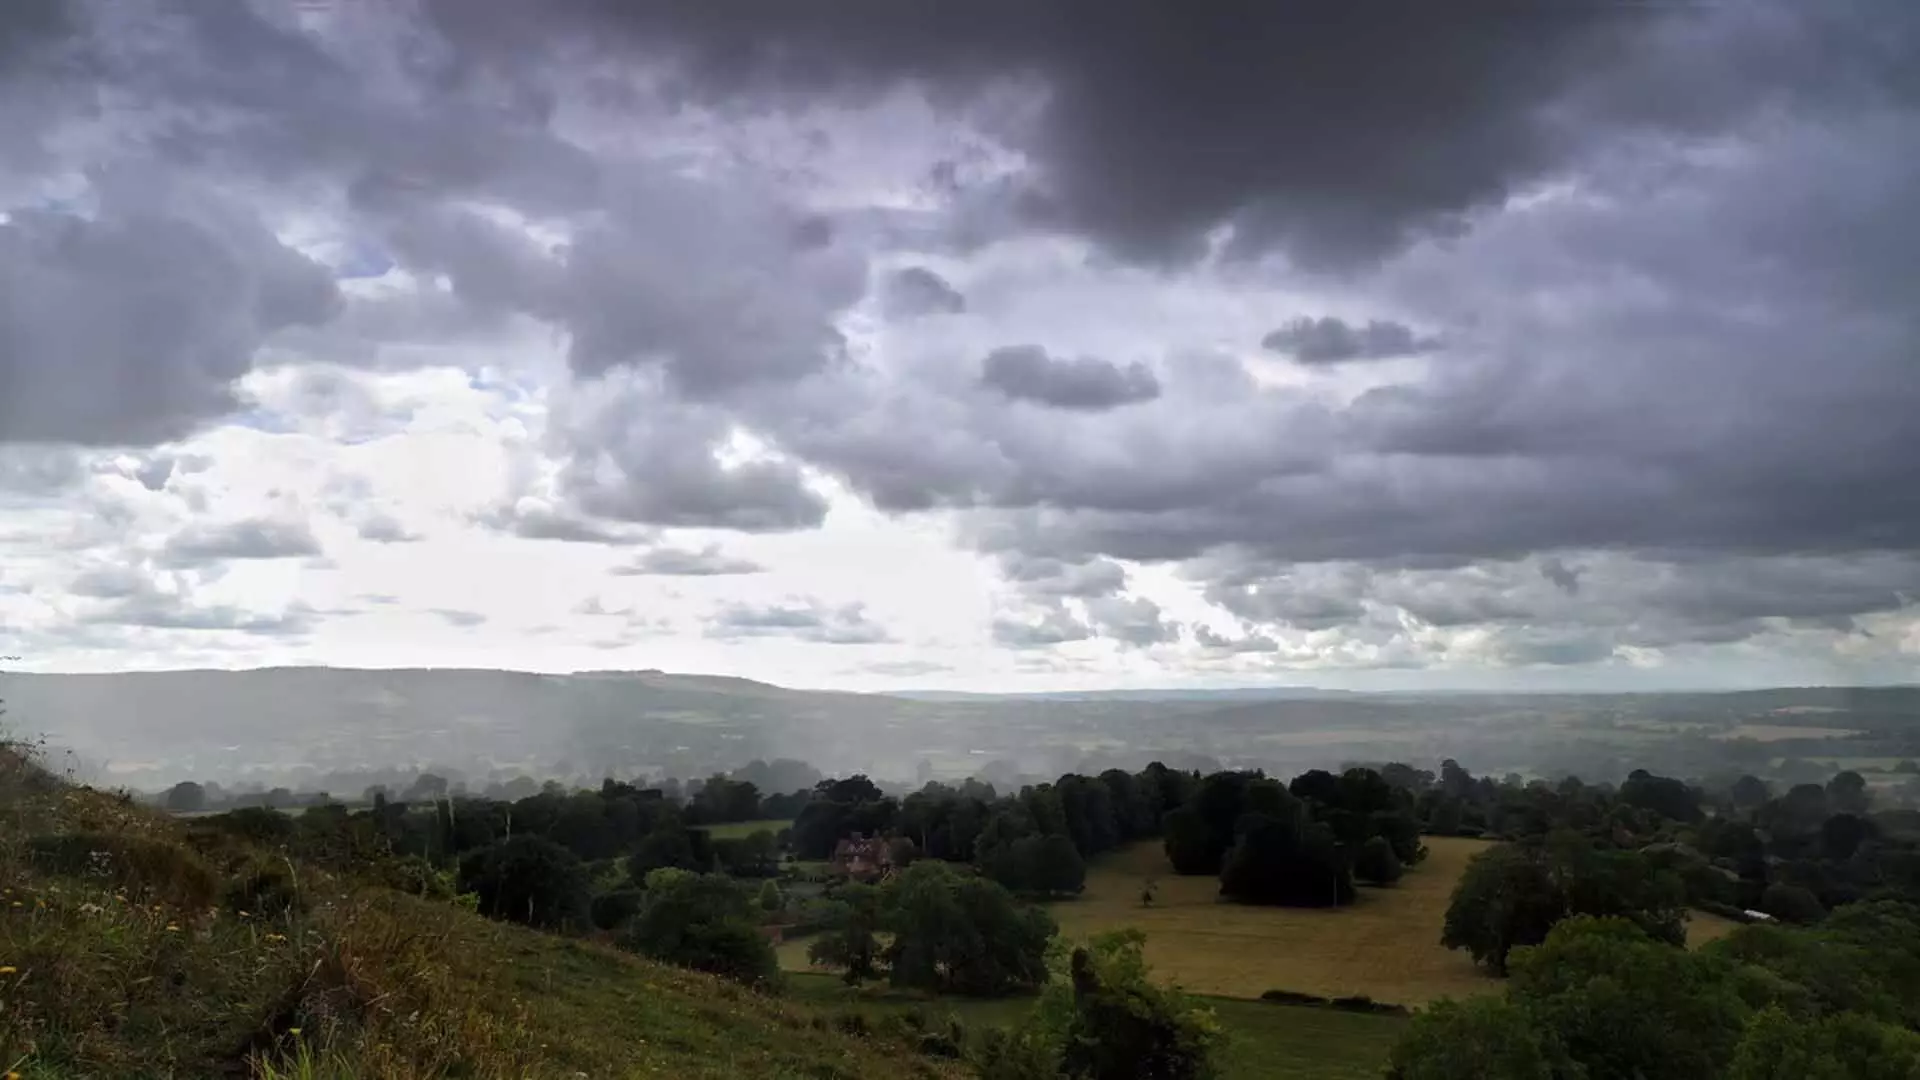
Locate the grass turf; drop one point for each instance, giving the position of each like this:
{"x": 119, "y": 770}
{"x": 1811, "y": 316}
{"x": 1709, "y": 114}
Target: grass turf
{"x": 123, "y": 965}
{"x": 1264, "y": 1042}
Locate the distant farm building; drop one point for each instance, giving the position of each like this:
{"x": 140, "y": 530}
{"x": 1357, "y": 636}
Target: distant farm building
{"x": 865, "y": 858}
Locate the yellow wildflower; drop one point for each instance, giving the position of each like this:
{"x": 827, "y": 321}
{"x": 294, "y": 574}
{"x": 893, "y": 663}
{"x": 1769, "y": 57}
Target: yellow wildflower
{"x": 9, "y": 969}
{"x": 172, "y": 926}
{"x": 293, "y": 1031}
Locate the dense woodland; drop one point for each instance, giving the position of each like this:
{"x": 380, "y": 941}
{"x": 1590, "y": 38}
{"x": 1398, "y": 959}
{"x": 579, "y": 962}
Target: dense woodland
{"x": 1588, "y": 876}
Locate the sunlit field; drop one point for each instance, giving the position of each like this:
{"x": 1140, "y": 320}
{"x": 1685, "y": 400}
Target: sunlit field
{"x": 1386, "y": 946}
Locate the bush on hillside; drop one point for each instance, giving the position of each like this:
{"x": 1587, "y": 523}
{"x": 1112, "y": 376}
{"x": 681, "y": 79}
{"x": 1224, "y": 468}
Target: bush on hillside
{"x": 1791, "y": 903}
{"x": 264, "y": 887}
{"x": 255, "y": 824}
{"x": 704, "y": 922}
{"x": 1376, "y": 864}
{"x": 148, "y": 869}
{"x": 612, "y": 910}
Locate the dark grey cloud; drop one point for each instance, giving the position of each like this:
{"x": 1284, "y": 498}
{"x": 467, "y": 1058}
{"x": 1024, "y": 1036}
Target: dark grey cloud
{"x": 1209, "y": 638}
{"x": 1303, "y": 597}
{"x": 1027, "y": 373}
{"x": 916, "y": 290}
{"x": 1520, "y": 615}
{"x": 249, "y": 538}
{"x": 130, "y": 326}
{"x": 1044, "y": 577}
{"x": 1131, "y": 620}
{"x": 39, "y": 470}
{"x": 1337, "y": 133}
{"x": 1056, "y": 626}
{"x": 708, "y": 561}
{"x": 1669, "y": 250}
{"x": 1159, "y": 127}
{"x": 805, "y": 620}
{"x": 1565, "y": 578}
{"x": 634, "y": 453}
{"x": 1328, "y": 340}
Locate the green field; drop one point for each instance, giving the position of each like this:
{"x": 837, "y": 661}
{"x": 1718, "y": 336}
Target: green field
{"x": 734, "y": 830}
{"x": 1264, "y": 1042}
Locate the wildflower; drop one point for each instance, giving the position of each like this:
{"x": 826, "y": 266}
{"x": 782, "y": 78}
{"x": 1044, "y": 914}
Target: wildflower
{"x": 293, "y": 1031}
{"x": 245, "y": 914}
{"x": 9, "y": 969}
{"x": 173, "y": 927}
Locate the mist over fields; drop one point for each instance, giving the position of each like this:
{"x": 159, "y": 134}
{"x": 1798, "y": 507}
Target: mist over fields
{"x": 306, "y": 727}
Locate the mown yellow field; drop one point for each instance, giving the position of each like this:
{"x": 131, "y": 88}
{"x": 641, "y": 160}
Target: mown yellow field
{"x": 1386, "y": 946}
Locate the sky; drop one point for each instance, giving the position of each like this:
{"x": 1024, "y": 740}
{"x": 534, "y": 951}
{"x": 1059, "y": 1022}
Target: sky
{"x": 973, "y": 345}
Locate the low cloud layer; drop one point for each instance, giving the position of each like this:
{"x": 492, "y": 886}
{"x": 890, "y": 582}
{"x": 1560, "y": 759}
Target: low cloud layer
{"x": 807, "y": 620}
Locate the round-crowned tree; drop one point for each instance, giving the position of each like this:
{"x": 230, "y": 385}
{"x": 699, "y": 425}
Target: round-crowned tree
{"x": 528, "y": 879}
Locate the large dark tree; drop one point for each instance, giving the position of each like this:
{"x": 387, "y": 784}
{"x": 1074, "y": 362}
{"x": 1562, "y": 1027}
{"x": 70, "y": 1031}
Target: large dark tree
{"x": 705, "y": 922}
{"x": 1513, "y": 894}
{"x": 961, "y": 934}
{"x": 1286, "y": 861}
{"x": 528, "y": 879}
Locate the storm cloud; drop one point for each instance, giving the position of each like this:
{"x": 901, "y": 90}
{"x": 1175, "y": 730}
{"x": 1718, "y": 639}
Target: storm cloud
{"x": 1027, "y": 373}
{"x": 1327, "y": 340}
{"x": 1646, "y": 265}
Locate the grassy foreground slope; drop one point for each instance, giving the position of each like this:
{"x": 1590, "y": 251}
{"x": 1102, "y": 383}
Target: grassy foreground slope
{"x": 130, "y": 950}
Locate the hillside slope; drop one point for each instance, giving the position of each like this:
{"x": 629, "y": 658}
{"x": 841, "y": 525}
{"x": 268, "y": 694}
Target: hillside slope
{"x": 129, "y": 947}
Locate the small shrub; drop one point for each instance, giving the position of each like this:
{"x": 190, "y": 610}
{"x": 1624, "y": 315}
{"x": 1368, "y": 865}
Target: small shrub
{"x": 257, "y": 824}
{"x": 1793, "y": 904}
{"x": 150, "y": 869}
{"x": 1361, "y": 1003}
{"x": 852, "y": 1023}
{"x": 613, "y": 910}
{"x": 939, "y": 1044}
{"x": 264, "y": 887}
{"x": 1292, "y": 997}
